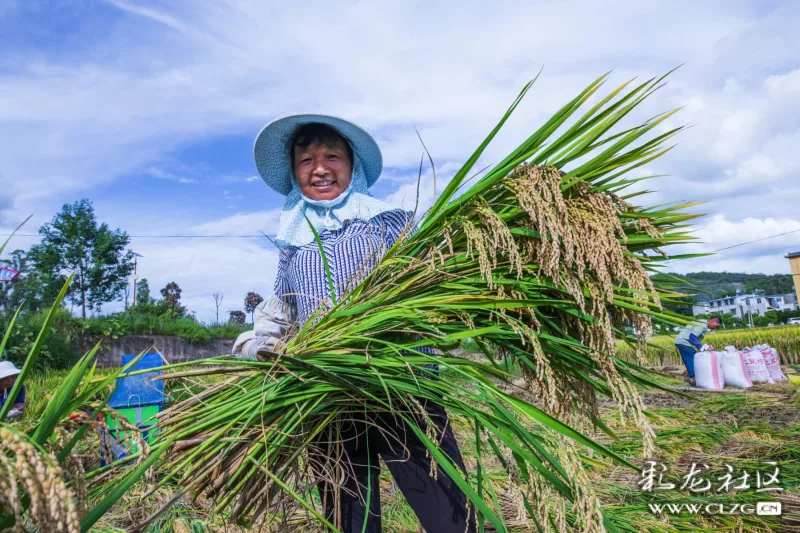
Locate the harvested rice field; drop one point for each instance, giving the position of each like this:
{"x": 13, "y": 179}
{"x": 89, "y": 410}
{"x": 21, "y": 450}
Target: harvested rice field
{"x": 745, "y": 429}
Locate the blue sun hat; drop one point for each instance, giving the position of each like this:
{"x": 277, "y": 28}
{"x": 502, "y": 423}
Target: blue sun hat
{"x": 274, "y": 162}
{"x": 273, "y": 151}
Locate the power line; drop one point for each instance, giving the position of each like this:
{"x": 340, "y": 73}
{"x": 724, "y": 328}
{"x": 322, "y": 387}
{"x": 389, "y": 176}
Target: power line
{"x": 159, "y": 236}
{"x": 757, "y": 240}
{"x": 271, "y": 235}
{"x": 744, "y": 243}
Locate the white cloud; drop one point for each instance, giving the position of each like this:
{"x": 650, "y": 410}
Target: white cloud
{"x": 156, "y": 16}
{"x": 217, "y": 77}
{"x": 74, "y": 124}
{"x": 242, "y": 224}
{"x": 765, "y": 252}
{"x": 164, "y": 175}
{"x": 421, "y": 191}
{"x": 723, "y": 233}
{"x": 204, "y": 266}
{"x": 785, "y": 86}
{"x": 234, "y": 178}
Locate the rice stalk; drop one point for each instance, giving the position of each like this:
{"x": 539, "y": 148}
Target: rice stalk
{"x": 33, "y": 479}
{"x": 543, "y": 261}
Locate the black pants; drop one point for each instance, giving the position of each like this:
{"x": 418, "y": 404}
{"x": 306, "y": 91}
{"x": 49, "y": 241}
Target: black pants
{"x": 438, "y": 503}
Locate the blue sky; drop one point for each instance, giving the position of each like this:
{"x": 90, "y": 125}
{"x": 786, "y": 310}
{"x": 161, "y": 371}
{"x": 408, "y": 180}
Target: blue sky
{"x": 150, "y": 109}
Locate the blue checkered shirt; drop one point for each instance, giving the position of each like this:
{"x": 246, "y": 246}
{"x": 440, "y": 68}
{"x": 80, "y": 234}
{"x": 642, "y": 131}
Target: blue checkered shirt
{"x": 301, "y": 285}
{"x": 352, "y": 253}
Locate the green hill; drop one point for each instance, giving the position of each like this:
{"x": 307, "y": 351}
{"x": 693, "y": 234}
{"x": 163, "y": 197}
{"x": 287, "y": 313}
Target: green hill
{"x": 721, "y": 284}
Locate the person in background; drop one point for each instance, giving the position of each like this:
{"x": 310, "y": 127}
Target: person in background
{"x": 689, "y": 341}
{"x": 8, "y": 376}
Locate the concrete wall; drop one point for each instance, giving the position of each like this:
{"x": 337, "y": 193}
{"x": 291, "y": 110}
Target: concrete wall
{"x": 174, "y": 349}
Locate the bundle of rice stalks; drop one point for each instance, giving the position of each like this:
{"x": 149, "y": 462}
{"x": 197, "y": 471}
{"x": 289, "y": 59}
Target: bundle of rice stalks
{"x": 543, "y": 259}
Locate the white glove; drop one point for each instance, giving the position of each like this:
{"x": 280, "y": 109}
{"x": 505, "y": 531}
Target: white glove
{"x": 14, "y": 413}
{"x": 251, "y": 347}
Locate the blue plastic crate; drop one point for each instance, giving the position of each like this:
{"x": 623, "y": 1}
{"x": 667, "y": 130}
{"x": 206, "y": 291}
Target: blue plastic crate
{"x": 139, "y": 390}
{"x": 138, "y": 398}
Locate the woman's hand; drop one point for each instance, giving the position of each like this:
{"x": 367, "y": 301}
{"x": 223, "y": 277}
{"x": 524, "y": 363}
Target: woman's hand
{"x": 265, "y": 343}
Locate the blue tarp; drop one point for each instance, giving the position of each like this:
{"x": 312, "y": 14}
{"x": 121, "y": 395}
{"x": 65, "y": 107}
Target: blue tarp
{"x": 139, "y": 390}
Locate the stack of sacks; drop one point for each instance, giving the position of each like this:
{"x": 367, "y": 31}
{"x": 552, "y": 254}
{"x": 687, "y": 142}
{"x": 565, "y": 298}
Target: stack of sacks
{"x": 759, "y": 364}
{"x": 772, "y": 361}
{"x": 755, "y": 364}
{"x": 708, "y": 370}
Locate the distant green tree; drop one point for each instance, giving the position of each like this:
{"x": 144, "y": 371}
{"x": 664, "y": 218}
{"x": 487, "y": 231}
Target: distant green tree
{"x": 237, "y": 317}
{"x": 171, "y": 295}
{"x": 74, "y": 242}
{"x": 142, "y": 292}
{"x": 780, "y": 317}
{"x": 251, "y": 301}
{"x": 775, "y": 284}
{"x": 26, "y": 289}
{"x": 762, "y": 321}
{"x": 713, "y": 285}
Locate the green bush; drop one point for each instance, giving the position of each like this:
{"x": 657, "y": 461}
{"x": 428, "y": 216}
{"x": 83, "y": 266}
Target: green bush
{"x": 60, "y": 347}
{"x": 230, "y": 330}
{"x": 186, "y": 327}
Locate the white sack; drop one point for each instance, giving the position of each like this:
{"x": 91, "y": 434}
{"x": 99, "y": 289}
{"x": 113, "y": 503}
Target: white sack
{"x": 708, "y": 371}
{"x": 757, "y": 367}
{"x": 773, "y": 362}
{"x": 734, "y": 371}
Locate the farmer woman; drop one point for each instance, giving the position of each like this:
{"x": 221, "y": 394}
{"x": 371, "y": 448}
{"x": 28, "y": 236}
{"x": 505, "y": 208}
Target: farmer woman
{"x": 689, "y": 342}
{"x": 325, "y": 166}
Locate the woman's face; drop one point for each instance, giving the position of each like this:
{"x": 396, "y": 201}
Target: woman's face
{"x": 323, "y": 171}
{"x": 7, "y": 382}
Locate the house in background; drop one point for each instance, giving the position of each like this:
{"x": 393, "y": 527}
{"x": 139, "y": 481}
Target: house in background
{"x": 742, "y": 305}
{"x": 791, "y": 299}
{"x": 783, "y": 302}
